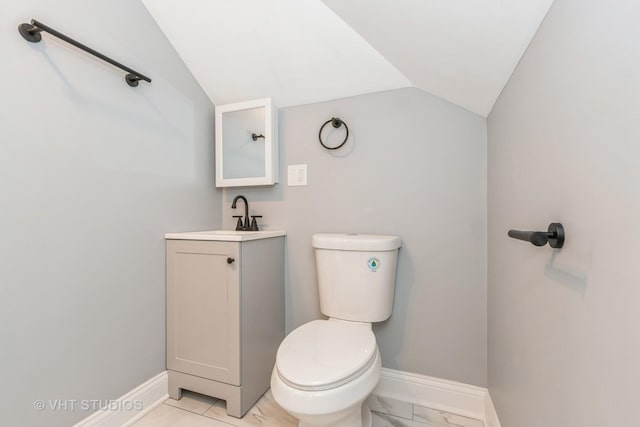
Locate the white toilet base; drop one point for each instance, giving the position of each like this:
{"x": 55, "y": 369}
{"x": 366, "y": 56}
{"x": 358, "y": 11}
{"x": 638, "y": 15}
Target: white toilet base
{"x": 339, "y": 407}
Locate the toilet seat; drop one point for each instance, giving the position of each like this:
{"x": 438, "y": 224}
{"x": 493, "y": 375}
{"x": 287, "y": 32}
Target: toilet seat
{"x": 325, "y": 354}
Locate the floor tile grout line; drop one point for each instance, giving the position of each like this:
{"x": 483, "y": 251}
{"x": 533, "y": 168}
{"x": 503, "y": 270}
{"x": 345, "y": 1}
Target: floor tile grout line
{"x": 413, "y": 414}
{"x": 401, "y": 419}
{"x": 218, "y": 419}
{"x": 413, "y": 411}
{"x": 393, "y": 415}
{"x": 201, "y": 415}
{"x": 186, "y": 410}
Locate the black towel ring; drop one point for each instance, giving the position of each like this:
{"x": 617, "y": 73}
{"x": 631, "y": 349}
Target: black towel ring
{"x": 336, "y": 123}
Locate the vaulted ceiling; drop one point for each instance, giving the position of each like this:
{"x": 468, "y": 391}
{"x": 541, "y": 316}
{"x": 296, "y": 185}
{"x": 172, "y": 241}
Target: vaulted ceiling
{"x": 303, "y": 51}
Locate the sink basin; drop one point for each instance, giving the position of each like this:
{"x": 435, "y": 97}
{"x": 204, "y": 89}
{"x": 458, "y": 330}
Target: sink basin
{"x": 230, "y": 232}
{"x": 225, "y": 235}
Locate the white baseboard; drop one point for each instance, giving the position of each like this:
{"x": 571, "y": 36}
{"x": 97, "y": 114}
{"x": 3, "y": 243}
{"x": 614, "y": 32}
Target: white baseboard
{"x": 132, "y": 406}
{"x": 491, "y": 416}
{"x": 449, "y": 396}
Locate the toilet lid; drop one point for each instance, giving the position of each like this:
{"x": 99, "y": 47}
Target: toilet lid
{"x": 325, "y": 354}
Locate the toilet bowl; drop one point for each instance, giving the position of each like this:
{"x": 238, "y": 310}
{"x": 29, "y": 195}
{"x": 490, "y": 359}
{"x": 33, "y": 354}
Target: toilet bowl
{"x": 325, "y": 369}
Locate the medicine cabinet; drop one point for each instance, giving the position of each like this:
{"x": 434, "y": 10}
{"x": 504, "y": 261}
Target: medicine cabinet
{"x": 246, "y": 144}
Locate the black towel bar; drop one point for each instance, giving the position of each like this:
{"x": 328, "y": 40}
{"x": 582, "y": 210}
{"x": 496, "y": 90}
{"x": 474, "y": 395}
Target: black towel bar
{"x": 31, "y": 33}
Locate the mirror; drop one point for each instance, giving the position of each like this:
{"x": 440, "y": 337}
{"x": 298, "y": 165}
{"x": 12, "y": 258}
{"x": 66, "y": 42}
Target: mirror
{"x": 246, "y": 144}
{"x": 242, "y": 149}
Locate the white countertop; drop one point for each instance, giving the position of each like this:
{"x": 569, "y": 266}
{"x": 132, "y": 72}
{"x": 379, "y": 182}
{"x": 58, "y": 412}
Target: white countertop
{"x": 225, "y": 235}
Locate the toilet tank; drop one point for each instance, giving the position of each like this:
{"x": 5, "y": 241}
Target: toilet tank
{"x": 356, "y": 275}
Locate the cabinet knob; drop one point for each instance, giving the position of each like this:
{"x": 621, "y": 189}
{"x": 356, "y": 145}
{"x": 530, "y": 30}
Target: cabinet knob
{"x": 230, "y": 260}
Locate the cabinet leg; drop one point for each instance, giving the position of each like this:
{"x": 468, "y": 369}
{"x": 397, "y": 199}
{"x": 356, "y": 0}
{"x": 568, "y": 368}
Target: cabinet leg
{"x": 237, "y": 402}
{"x": 175, "y": 392}
{"x": 234, "y": 407}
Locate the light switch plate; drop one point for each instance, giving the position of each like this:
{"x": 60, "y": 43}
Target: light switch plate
{"x": 297, "y": 175}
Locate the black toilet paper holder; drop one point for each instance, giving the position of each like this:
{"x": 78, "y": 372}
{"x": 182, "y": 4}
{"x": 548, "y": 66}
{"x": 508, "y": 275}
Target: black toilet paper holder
{"x": 554, "y": 236}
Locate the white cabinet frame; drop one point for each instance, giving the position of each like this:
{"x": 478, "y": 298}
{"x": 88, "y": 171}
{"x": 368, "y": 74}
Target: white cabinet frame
{"x": 270, "y": 144}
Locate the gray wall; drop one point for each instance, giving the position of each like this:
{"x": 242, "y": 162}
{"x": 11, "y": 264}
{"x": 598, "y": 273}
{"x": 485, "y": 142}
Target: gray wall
{"x": 92, "y": 174}
{"x": 564, "y": 334}
{"x": 414, "y": 166}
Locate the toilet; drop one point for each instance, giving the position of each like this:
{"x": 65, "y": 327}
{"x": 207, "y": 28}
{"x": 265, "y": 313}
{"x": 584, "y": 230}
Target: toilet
{"x": 325, "y": 369}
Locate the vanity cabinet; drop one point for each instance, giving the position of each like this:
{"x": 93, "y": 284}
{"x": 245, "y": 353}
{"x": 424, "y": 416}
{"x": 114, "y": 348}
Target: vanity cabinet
{"x": 225, "y": 317}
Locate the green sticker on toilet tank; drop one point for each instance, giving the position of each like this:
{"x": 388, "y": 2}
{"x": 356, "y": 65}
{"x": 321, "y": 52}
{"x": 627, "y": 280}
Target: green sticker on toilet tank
{"x": 373, "y": 264}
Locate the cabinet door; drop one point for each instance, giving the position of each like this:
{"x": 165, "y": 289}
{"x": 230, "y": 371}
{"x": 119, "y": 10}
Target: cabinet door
{"x": 203, "y": 309}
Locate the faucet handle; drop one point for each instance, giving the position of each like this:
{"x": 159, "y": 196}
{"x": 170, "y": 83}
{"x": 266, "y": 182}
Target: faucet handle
{"x": 254, "y": 223}
{"x": 239, "y": 225}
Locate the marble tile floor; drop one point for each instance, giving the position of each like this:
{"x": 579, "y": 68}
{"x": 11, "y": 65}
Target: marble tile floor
{"x": 196, "y": 410}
